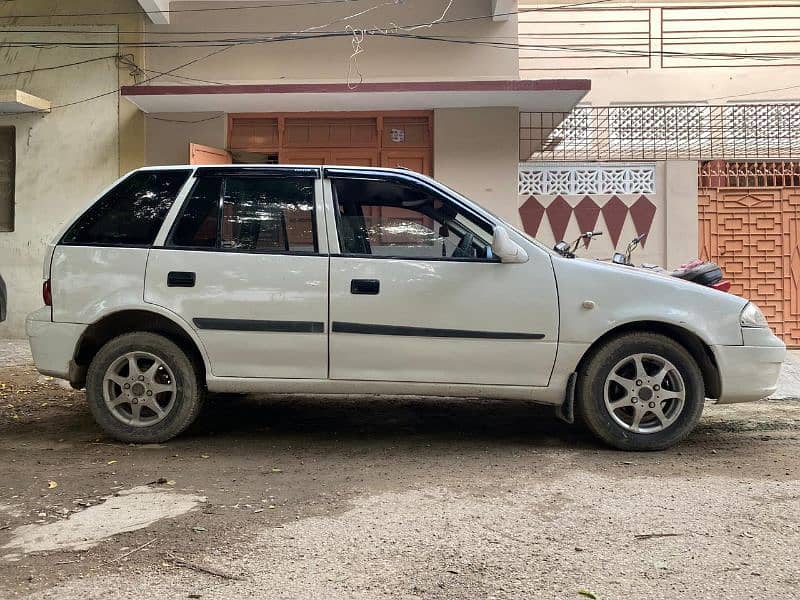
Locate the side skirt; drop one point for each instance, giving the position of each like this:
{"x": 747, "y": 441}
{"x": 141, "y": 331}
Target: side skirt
{"x": 398, "y": 388}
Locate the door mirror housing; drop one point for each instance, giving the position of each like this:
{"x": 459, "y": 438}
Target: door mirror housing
{"x": 507, "y": 249}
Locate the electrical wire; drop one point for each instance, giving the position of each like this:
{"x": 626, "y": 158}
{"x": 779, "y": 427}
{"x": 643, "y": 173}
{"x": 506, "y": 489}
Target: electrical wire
{"x": 181, "y": 10}
{"x": 54, "y": 67}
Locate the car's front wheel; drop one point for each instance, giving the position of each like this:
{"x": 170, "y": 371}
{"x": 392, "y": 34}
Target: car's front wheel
{"x": 142, "y": 388}
{"x": 640, "y": 391}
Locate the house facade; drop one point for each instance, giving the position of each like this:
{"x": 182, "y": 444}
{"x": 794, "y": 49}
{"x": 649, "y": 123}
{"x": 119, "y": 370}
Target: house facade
{"x": 690, "y": 133}
{"x": 123, "y": 84}
{"x": 671, "y": 119}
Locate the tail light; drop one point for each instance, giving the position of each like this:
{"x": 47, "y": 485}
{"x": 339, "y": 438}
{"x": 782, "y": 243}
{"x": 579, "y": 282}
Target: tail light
{"x": 47, "y": 293}
{"x": 722, "y": 286}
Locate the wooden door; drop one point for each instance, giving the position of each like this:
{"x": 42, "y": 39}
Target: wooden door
{"x": 414, "y": 159}
{"x": 354, "y": 157}
{"x": 208, "y": 155}
{"x": 305, "y": 157}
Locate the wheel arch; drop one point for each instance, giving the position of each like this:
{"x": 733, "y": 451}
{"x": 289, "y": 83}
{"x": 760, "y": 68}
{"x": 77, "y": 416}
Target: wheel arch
{"x": 127, "y": 321}
{"x": 694, "y": 344}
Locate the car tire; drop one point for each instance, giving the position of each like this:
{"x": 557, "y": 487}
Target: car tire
{"x": 143, "y": 388}
{"x": 641, "y": 392}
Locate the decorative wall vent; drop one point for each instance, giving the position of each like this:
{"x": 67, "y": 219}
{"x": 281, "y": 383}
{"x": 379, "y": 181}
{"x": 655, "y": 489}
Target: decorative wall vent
{"x": 586, "y": 179}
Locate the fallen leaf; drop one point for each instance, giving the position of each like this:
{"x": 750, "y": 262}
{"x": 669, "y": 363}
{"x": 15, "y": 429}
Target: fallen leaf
{"x": 170, "y": 482}
{"x": 588, "y": 594}
{"x": 111, "y": 462}
{"x": 204, "y": 456}
{"x": 277, "y": 470}
{"x": 51, "y": 485}
{"x": 198, "y": 528}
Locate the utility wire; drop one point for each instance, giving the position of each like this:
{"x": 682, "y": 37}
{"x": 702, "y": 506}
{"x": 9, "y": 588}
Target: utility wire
{"x": 72, "y": 64}
{"x": 180, "y": 10}
{"x": 296, "y": 4}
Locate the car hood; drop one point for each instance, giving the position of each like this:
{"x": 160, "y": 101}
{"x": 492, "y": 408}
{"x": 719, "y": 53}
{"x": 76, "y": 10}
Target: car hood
{"x": 619, "y": 295}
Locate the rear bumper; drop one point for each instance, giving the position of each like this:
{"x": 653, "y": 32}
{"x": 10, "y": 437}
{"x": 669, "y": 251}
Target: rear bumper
{"x": 749, "y": 373}
{"x": 52, "y": 344}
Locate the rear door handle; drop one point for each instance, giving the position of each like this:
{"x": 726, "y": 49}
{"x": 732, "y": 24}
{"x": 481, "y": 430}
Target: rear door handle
{"x": 180, "y": 279}
{"x": 365, "y": 286}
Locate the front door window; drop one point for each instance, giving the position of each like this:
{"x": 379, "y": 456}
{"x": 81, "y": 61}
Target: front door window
{"x": 389, "y": 219}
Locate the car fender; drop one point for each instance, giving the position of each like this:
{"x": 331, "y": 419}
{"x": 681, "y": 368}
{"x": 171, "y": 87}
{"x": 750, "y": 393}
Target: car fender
{"x": 596, "y": 298}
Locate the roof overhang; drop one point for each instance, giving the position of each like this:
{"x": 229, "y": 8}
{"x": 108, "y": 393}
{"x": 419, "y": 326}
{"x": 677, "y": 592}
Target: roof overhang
{"x": 542, "y": 95}
{"x": 17, "y": 101}
{"x": 159, "y": 10}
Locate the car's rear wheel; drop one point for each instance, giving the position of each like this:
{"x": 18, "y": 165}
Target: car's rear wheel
{"x": 640, "y": 391}
{"x": 142, "y": 388}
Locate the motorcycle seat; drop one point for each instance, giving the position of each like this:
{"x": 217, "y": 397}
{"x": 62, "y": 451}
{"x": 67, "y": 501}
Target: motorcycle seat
{"x": 704, "y": 273}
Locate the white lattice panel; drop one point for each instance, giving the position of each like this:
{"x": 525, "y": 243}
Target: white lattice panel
{"x": 586, "y": 179}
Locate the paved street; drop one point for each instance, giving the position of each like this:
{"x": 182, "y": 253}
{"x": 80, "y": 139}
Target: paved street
{"x": 294, "y": 497}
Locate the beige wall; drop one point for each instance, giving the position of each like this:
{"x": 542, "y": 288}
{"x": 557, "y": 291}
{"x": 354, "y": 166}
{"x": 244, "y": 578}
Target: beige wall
{"x": 66, "y": 157}
{"x": 681, "y": 223}
{"x": 169, "y": 135}
{"x": 672, "y": 238}
{"x": 475, "y": 152}
{"x": 382, "y": 59}
{"x": 681, "y": 76}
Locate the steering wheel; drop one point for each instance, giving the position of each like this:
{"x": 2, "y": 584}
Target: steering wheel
{"x": 464, "y": 249}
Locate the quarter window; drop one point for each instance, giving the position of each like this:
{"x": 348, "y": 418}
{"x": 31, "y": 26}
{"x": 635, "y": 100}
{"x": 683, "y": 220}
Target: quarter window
{"x": 131, "y": 213}
{"x": 384, "y": 218}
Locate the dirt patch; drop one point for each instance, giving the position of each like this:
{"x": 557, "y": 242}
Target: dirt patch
{"x": 125, "y": 511}
{"x": 403, "y": 497}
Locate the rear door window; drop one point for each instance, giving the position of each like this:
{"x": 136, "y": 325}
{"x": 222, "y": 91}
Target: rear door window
{"x": 131, "y": 213}
{"x": 259, "y": 214}
{"x": 268, "y": 215}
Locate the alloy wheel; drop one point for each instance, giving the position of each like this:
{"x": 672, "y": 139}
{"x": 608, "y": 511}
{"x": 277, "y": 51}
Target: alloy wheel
{"x": 139, "y": 389}
{"x": 644, "y": 393}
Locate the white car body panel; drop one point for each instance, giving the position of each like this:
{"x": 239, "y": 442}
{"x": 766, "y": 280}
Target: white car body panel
{"x": 571, "y": 303}
{"x": 239, "y": 286}
{"x": 442, "y": 296}
{"x": 625, "y": 295}
{"x": 89, "y": 282}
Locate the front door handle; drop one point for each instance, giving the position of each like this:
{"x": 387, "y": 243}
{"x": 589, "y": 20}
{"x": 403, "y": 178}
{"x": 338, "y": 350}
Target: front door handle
{"x": 365, "y": 286}
{"x": 180, "y": 279}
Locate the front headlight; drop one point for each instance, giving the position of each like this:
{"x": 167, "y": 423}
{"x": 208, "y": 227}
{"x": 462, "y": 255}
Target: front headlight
{"x": 752, "y": 316}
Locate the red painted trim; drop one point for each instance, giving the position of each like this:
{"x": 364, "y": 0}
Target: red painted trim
{"x": 515, "y": 85}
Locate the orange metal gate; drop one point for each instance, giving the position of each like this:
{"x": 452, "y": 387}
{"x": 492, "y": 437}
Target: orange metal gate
{"x": 754, "y": 234}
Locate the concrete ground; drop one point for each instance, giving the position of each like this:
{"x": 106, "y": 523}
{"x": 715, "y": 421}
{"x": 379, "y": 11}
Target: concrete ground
{"x": 348, "y": 497}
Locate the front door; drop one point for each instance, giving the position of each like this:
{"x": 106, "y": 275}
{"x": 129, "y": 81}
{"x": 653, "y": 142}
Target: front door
{"x": 417, "y": 296}
{"x": 244, "y": 266}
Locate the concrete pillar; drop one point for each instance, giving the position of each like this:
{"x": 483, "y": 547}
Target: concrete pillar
{"x": 681, "y": 220}
{"x": 476, "y": 152}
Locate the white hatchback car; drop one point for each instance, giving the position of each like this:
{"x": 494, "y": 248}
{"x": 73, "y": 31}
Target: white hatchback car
{"x": 183, "y": 280}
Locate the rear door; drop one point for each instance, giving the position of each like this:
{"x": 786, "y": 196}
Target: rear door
{"x": 246, "y": 267}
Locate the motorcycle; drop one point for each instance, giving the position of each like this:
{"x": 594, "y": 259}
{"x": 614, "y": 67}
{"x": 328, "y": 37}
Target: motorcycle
{"x": 702, "y": 272}
{"x": 568, "y": 250}
{"x": 698, "y": 271}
